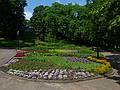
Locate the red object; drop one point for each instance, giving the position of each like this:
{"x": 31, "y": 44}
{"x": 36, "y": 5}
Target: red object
{"x": 20, "y": 54}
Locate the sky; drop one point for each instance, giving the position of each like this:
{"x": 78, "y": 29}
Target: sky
{"x": 31, "y": 4}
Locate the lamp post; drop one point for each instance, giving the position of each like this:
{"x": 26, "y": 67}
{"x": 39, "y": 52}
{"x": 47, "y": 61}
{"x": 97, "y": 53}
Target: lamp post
{"x": 97, "y": 42}
{"x": 18, "y": 38}
{"x": 97, "y": 48}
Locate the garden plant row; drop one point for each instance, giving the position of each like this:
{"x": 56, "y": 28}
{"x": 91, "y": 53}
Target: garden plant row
{"x": 57, "y": 64}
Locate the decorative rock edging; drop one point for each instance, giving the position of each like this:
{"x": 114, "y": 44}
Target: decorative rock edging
{"x": 54, "y": 81}
{"x": 53, "y": 76}
{"x": 36, "y": 76}
{"x": 110, "y": 73}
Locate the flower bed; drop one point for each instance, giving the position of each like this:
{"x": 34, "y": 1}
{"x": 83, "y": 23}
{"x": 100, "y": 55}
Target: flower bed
{"x": 20, "y": 53}
{"x": 53, "y": 74}
{"x": 104, "y": 68}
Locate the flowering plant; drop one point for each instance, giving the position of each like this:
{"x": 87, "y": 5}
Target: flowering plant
{"x": 104, "y": 68}
{"x": 20, "y": 54}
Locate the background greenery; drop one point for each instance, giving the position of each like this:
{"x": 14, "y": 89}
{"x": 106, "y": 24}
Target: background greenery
{"x": 97, "y": 22}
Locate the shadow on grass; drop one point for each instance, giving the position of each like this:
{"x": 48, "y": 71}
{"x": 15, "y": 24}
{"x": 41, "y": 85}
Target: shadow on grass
{"x": 13, "y": 44}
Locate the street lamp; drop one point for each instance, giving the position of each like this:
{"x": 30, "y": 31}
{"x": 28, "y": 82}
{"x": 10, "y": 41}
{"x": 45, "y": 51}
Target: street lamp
{"x": 97, "y": 42}
{"x": 18, "y": 38}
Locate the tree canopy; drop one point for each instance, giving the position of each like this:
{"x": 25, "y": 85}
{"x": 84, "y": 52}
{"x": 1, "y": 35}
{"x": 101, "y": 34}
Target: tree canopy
{"x": 98, "y": 20}
{"x": 11, "y": 17}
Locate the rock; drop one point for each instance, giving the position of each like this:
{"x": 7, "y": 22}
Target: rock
{"x": 11, "y": 73}
{"x": 11, "y": 70}
{"x": 60, "y": 77}
{"x": 65, "y": 76}
{"x": 35, "y": 70}
{"x": 57, "y": 70}
{"x": 21, "y": 74}
{"x": 34, "y": 77}
{"x": 25, "y": 76}
{"x": 70, "y": 71}
{"x": 30, "y": 73}
{"x": 17, "y": 73}
{"x": 52, "y": 71}
{"x": 88, "y": 74}
{"x": 45, "y": 77}
{"x": 61, "y": 72}
{"x": 65, "y": 71}
{"x": 84, "y": 74}
{"x": 79, "y": 77}
{"x": 76, "y": 77}
{"x": 40, "y": 70}
{"x": 5, "y": 65}
{"x": 78, "y": 73}
{"x": 82, "y": 70}
{"x": 50, "y": 76}
{"x": 71, "y": 77}
{"x": 40, "y": 76}
{"x": 56, "y": 73}
{"x": 29, "y": 77}
{"x": 92, "y": 74}
{"x": 49, "y": 71}
{"x": 37, "y": 73}
{"x": 13, "y": 61}
{"x": 45, "y": 74}
{"x": 54, "y": 77}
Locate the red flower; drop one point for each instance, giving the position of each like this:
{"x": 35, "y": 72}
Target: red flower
{"x": 20, "y": 54}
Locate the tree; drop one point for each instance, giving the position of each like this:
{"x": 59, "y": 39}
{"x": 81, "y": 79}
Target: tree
{"x": 99, "y": 20}
{"x": 12, "y": 17}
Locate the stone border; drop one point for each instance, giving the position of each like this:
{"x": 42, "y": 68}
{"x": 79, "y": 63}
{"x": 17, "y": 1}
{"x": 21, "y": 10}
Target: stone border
{"x": 110, "y": 73}
{"x": 52, "y": 81}
{"x": 11, "y": 60}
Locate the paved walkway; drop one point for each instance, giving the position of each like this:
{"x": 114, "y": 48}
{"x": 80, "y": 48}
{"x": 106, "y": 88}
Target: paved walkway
{"x": 10, "y": 83}
{"x": 6, "y": 55}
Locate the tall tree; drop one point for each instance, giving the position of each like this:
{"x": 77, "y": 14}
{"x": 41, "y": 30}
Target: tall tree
{"x": 12, "y": 17}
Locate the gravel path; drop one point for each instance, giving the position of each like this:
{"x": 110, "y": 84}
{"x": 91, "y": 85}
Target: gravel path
{"x": 11, "y": 83}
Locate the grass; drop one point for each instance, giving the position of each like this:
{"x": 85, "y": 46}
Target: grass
{"x": 53, "y": 57}
{"x": 14, "y": 43}
{"x": 51, "y": 62}
{"x": 59, "y": 45}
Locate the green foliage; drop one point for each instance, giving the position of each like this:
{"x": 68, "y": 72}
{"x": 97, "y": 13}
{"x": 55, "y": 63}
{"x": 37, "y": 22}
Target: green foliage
{"x": 11, "y": 18}
{"x": 43, "y": 61}
{"x": 105, "y": 67}
{"x": 60, "y": 48}
{"x": 14, "y": 43}
{"x": 99, "y": 20}
{"x": 54, "y": 58}
{"x": 56, "y": 22}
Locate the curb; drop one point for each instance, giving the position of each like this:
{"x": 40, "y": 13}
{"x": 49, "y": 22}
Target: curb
{"x": 7, "y": 61}
{"x": 110, "y": 73}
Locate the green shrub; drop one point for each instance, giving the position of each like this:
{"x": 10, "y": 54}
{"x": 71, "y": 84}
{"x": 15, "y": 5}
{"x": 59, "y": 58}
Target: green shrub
{"x": 104, "y": 68}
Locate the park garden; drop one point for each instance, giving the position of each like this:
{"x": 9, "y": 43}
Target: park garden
{"x": 58, "y": 42}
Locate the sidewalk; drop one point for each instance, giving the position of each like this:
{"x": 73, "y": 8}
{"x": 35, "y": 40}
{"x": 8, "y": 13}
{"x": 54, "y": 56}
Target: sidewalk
{"x": 6, "y": 55}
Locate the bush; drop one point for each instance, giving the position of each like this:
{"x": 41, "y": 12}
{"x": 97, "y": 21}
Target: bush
{"x": 104, "y": 68}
